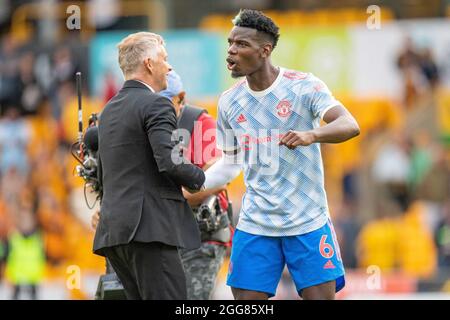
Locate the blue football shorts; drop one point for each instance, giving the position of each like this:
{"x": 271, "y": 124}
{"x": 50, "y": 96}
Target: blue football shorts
{"x": 257, "y": 262}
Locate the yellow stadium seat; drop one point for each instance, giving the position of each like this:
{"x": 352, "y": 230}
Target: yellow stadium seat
{"x": 296, "y": 18}
{"x": 69, "y": 116}
{"x": 377, "y": 244}
{"x": 444, "y": 113}
{"x": 417, "y": 252}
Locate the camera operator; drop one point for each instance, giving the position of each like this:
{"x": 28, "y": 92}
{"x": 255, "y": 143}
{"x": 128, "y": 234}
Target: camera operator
{"x": 210, "y": 207}
{"x": 144, "y": 217}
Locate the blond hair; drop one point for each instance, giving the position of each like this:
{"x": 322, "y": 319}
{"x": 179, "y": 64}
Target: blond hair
{"x": 136, "y": 47}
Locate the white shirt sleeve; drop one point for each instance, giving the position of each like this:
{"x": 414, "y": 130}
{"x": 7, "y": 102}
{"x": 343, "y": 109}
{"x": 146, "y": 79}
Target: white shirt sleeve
{"x": 226, "y": 169}
{"x": 321, "y": 99}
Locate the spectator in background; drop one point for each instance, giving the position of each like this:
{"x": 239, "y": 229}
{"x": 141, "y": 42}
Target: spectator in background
{"x": 430, "y": 177}
{"x": 31, "y": 94}
{"x": 5, "y": 12}
{"x": 420, "y": 157}
{"x": 408, "y": 57}
{"x": 434, "y": 186}
{"x": 429, "y": 68}
{"x": 51, "y": 217}
{"x": 12, "y": 182}
{"x": 14, "y": 137}
{"x": 347, "y": 230}
{"x": 442, "y": 238}
{"x": 3, "y": 246}
{"x": 25, "y": 257}
{"x": 64, "y": 65}
{"x": 9, "y": 73}
{"x": 391, "y": 169}
{"x": 64, "y": 69}
{"x": 408, "y": 63}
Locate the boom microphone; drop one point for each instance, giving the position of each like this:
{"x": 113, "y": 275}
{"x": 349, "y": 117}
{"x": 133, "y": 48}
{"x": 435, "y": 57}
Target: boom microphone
{"x": 80, "y": 112}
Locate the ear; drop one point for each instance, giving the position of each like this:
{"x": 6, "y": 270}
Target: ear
{"x": 148, "y": 64}
{"x": 266, "y": 50}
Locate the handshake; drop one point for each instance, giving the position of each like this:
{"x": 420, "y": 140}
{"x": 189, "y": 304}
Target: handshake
{"x": 202, "y": 188}
{"x": 96, "y": 216}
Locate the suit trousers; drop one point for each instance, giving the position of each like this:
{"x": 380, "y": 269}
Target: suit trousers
{"x": 149, "y": 271}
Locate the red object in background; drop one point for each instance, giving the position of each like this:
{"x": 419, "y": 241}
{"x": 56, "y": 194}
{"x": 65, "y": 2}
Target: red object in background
{"x": 198, "y": 149}
{"x": 202, "y": 148}
{"x": 110, "y": 89}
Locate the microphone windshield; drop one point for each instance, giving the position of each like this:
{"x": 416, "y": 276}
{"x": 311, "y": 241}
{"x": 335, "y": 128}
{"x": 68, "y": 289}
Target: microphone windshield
{"x": 91, "y": 138}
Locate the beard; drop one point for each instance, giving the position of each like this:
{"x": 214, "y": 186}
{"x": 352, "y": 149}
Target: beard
{"x": 235, "y": 74}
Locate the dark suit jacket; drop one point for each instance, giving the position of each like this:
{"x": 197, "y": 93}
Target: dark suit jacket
{"x": 142, "y": 198}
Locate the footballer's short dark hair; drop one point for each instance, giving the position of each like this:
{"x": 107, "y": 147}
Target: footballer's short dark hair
{"x": 254, "y": 19}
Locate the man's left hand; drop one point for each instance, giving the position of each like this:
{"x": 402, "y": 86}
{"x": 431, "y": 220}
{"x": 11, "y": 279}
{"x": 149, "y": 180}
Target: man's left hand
{"x": 95, "y": 219}
{"x": 192, "y": 191}
{"x": 293, "y": 139}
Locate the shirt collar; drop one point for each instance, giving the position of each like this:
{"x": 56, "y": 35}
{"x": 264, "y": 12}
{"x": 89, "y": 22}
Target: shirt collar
{"x": 150, "y": 88}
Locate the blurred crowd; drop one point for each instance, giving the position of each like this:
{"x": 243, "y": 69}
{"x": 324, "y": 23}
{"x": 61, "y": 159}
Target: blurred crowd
{"x": 408, "y": 225}
{"x": 39, "y": 229}
{"x": 394, "y": 211}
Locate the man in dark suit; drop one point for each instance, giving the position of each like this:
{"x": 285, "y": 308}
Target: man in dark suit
{"x": 144, "y": 217}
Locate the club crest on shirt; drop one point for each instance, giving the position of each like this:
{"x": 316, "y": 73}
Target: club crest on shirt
{"x": 284, "y": 109}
